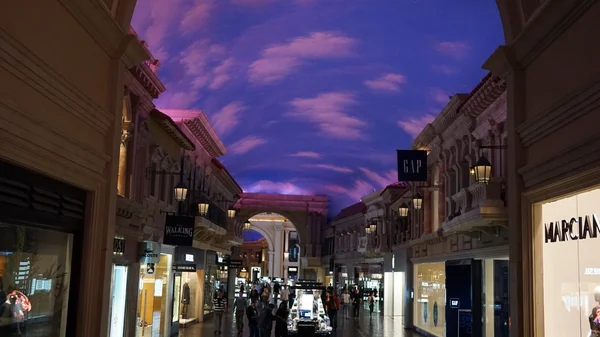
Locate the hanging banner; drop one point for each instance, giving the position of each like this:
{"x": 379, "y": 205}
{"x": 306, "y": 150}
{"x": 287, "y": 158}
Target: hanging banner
{"x": 412, "y": 165}
{"x": 179, "y": 230}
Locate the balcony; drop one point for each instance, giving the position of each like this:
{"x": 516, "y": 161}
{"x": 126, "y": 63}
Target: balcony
{"x": 479, "y": 205}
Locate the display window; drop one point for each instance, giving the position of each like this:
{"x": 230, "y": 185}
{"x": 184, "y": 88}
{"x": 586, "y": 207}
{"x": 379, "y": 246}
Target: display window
{"x": 152, "y": 298}
{"x": 567, "y": 233}
{"x": 496, "y": 313}
{"x": 210, "y": 281}
{"x": 118, "y": 298}
{"x": 35, "y": 273}
{"x": 430, "y": 298}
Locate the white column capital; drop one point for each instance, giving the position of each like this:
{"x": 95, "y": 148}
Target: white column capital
{"x": 278, "y": 227}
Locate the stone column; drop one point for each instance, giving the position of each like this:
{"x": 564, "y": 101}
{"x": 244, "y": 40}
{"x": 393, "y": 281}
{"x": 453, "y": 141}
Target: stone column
{"x": 278, "y": 251}
{"x": 231, "y": 275}
{"x": 122, "y": 174}
{"x": 271, "y": 264}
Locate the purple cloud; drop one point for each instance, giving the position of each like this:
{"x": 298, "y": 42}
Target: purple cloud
{"x": 228, "y": 117}
{"x": 246, "y": 144}
{"x": 456, "y": 49}
{"x": 414, "y": 126}
{"x": 306, "y": 154}
{"x": 389, "y": 82}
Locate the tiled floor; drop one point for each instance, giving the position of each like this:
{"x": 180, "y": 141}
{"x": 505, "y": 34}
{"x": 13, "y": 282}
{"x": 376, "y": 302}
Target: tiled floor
{"x": 375, "y": 326}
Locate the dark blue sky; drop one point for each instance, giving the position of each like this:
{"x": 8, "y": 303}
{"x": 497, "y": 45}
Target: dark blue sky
{"x": 315, "y": 96}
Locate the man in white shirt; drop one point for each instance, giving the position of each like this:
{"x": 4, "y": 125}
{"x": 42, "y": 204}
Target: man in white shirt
{"x": 285, "y": 295}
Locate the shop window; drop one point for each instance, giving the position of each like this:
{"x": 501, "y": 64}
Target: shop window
{"x": 35, "y": 272}
{"x": 569, "y": 280}
{"x": 495, "y": 298}
{"x": 430, "y": 298}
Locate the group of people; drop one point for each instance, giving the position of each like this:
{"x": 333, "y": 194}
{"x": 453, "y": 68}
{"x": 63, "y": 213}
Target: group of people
{"x": 258, "y": 310}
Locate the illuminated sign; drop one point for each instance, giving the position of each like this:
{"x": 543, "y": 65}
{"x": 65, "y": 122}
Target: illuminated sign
{"x": 189, "y": 258}
{"x": 454, "y": 303}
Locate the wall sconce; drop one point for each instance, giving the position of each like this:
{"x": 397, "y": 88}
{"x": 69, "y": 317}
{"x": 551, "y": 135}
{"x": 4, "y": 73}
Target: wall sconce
{"x": 203, "y": 208}
{"x": 180, "y": 192}
{"x": 247, "y": 225}
{"x": 231, "y": 213}
{"x": 403, "y": 210}
{"x": 483, "y": 170}
{"x": 373, "y": 227}
{"x": 417, "y": 201}
{"x": 368, "y": 229}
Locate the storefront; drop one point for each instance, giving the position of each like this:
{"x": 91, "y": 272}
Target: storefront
{"x": 118, "y": 286}
{"x": 292, "y": 273}
{"x": 566, "y": 268}
{"x": 188, "y": 288}
{"x": 211, "y": 283}
{"x": 40, "y": 250}
{"x": 429, "y": 303}
{"x": 154, "y": 305}
{"x": 394, "y": 284}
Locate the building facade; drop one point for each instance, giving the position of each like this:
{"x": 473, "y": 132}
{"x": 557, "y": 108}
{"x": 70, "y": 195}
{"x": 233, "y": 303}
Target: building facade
{"x": 458, "y": 246}
{"x": 60, "y": 117}
{"x": 552, "y": 85}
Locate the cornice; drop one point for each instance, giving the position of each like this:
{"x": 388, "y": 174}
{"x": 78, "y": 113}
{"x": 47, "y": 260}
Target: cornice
{"x": 198, "y": 124}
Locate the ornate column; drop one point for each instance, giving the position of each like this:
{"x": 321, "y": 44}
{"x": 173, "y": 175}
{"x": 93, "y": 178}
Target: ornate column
{"x": 271, "y": 264}
{"x": 278, "y": 251}
{"x": 122, "y": 175}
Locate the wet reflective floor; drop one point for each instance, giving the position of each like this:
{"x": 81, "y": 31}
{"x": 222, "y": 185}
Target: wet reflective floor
{"x": 366, "y": 326}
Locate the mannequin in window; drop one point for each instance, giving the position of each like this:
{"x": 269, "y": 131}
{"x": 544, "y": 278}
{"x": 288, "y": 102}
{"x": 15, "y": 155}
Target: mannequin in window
{"x": 594, "y": 317}
{"x": 185, "y": 299}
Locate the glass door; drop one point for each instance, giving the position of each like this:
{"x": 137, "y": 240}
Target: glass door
{"x": 117, "y": 303}
{"x": 145, "y": 302}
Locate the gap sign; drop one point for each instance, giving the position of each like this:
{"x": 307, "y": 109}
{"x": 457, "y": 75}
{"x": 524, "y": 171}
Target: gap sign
{"x": 412, "y": 165}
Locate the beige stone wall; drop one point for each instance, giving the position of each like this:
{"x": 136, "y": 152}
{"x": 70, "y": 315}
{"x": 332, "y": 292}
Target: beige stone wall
{"x": 61, "y": 89}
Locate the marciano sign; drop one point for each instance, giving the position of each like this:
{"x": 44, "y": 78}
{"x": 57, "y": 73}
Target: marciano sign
{"x": 580, "y": 228}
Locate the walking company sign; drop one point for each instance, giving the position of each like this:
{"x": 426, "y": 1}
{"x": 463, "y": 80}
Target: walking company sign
{"x": 179, "y": 231}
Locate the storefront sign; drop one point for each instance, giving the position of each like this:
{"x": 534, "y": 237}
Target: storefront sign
{"x": 118, "y": 246}
{"x": 149, "y": 252}
{"x": 235, "y": 263}
{"x": 150, "y": 268}
{"x": 179, "y": 230}
{"x": 412, "y": 165}
{"x": 184, "y": 267}
{"x": 292, "y": 270}
{"x": 454, "y": 303}
{"x": 376, "y": 276}
{"x": 592, "y": 271}
{"x": 581, "y": 228}
{"x": 189, "y": 257}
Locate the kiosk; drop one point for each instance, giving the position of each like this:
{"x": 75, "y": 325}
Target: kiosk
{"x": 308, "y": 317}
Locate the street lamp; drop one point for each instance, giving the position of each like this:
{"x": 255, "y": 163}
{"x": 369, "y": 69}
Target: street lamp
{"x": 247, "y": 225}
{"x": 483, "y": 170}
{"x": 231, "y": 213}
{"x": 203, "y": 208}
{"x": 180, "y": 191}
{"x": 417, "y": 201}
{"x": 368, "y": 229}
{"x": 403, "y": 210}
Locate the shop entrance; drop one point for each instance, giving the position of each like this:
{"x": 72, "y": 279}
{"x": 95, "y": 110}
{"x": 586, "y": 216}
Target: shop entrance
{"x": 118, "y": 299}
{"x": 152, "y": 298}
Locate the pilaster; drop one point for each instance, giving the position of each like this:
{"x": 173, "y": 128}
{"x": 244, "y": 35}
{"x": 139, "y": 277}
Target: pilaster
{"x": 278, "y": 251}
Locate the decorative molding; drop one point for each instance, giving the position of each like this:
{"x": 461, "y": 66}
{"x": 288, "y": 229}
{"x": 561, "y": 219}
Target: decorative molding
{"x": 582, "y": 101}
{"x": 575, "y": 160}
{"x": 547, "y": 25}
{"x": 28, "y": 133}
{"x": 26, "y": 66}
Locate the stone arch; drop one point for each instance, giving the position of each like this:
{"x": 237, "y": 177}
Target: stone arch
{"x": 247, "y": 216}
{"x": 265, "y": 235}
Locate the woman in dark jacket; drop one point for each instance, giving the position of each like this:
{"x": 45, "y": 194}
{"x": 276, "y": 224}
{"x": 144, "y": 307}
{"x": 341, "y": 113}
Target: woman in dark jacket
{"x": 281, "y": 318}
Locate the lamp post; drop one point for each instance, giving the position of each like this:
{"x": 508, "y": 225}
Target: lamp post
{"x": 203, "y": 208}
{"x": 247, "y": 225}
{"x": 368, "y": 230}
{"x": 417, "y": 201}
{"x": 483, "y": 168}
{"x": 373, "y": 227}
{"x": 180, "y": 192}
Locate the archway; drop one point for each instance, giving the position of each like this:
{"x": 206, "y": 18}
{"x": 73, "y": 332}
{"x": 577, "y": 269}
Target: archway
{"x": 281, "y": 256}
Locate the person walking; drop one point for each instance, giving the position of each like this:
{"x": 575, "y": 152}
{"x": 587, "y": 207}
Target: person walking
{"x": 356, "y": 304}
{"x": 284, "y": 294}
{"x": 345, "y": 303}
{"x": 371, "y": 303}
{"x": 219, "y": 308}
{"x": 266, "y": 321}
{"x": 240, "y": 306}
{"x": 276, "y": 292}
{"x": 252, "y": 315}
{"x": 281, "y": 319}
